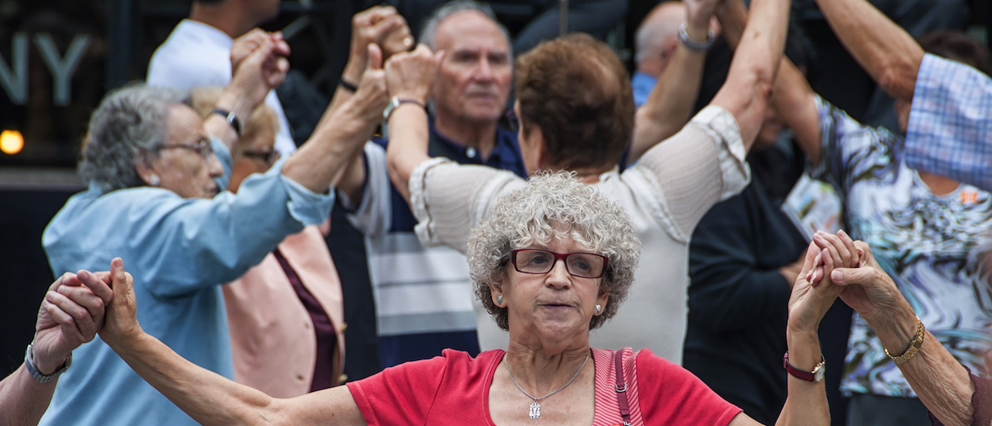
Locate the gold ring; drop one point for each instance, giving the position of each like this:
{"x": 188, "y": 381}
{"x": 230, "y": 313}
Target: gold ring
{"x": 408, "y": 41}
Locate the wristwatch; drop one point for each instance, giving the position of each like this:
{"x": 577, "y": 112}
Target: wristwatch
{"x": 395, "y": 102}
{"x": 810, "y": 376}
{"x": 38, "y": 376}
{"x": 231, "y": 119}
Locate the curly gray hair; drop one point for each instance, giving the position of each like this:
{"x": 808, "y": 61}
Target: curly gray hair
{"x": 129, "y": 122}
{"x": 554, "y": 205}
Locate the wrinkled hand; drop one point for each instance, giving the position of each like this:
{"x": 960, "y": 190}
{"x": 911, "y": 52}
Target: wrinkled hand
{"x": 378, "y": 25}
{"x": 363, "y": 111}
{"x": 809, "y": 303}
{"x": 249, "y": 42}
{"x": 867, "y": 288}
{"x": 411, "y": 75}
{"x": 838, "y": 251}
{"x": 261, "y": 66}
{"x": 121, "y": 322}
{"x": 70, "y": 315}
{"x": 700, "y": 18}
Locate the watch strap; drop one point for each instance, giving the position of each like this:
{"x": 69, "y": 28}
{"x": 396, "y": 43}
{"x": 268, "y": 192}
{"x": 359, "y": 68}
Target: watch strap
{"x": 37, "y": 374}
{"x": 810, "y": 376}
{"x": 395, "y": 102}
{"x": 693, "y": 45}
{"x": 232, "y": 119}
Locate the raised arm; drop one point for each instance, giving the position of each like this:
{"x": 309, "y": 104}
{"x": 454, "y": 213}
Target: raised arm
{"x": 793, "y": 100}
{"x": 941, "y": 382}
{"x": 341, "y": 131}
{"x": 889, "y": 54}
{"x": 752, "y": 72}
{"x": 411, "y": 77}
{"x": 70, "y": 315}
{"x": 670, "y": 103}
{"x": 207, "y": 397}
{"x": 386, "y": 28}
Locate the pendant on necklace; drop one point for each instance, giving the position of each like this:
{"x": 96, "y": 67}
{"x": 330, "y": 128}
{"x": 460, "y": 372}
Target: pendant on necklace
{"x": 535, "y": 411}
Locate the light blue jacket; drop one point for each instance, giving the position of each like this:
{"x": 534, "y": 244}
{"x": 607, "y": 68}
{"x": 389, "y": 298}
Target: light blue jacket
{"x": 179, "y": 252}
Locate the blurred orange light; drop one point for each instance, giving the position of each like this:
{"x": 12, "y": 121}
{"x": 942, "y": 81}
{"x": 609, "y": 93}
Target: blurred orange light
{"x": 11, "y": 142}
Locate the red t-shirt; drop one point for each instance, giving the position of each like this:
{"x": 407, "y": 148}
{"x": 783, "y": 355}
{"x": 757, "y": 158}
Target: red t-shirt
{"x": 453, "y": 389}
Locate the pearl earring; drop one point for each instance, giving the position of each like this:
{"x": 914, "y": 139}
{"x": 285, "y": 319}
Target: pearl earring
{"x": 154, "y": 180}
{"x": 598, "y": 309}
{"x": 499, "y": 300}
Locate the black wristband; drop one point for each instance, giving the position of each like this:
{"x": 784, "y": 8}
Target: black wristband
{"x": 348, "y": 86}
{"x": 231, "y": 119}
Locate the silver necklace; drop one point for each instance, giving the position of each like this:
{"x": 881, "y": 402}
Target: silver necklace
{"x": 535, "y": 407}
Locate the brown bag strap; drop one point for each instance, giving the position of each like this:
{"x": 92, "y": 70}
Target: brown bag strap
{"x": 621, "y": 388}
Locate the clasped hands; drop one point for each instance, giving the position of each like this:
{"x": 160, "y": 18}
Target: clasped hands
{"x": 837, "y": 266}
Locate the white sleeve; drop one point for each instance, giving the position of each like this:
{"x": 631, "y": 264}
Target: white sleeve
{"x": 688, "y": 173}
{"x": 374, "y": 215}
{"x": 449, "y": 199}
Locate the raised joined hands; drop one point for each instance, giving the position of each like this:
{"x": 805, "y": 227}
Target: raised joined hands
{"x": 70, "y": 315}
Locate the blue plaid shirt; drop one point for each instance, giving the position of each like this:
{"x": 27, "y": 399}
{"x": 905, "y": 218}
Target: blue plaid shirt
{"x": 950, "y": 124}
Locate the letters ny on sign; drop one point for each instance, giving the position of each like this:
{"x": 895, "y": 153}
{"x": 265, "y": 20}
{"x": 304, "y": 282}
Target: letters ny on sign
{"x": 14, "y": 74}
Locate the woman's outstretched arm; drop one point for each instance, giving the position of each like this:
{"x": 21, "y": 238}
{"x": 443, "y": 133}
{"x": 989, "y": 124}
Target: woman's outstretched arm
{"x": 207, "y": 397}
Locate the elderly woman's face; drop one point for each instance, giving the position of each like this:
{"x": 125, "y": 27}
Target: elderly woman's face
{"x": 556, "y": 304}
{"x": 185, "y": 164}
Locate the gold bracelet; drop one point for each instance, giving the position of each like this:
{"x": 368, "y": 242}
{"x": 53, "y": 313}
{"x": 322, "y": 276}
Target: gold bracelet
{"x": 914, "y": 346}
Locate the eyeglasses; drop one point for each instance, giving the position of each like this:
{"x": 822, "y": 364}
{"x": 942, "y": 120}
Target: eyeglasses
{"x": 582, "y": 265}
{"x": 269, "y": 156}
{"x": 203, "y": 147}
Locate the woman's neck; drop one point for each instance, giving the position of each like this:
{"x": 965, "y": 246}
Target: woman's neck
{"x": 539, "y": 370}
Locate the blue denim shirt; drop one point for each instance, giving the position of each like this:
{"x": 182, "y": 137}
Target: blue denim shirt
{"x": 179, "y": 252}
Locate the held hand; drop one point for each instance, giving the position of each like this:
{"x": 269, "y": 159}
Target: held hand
{"x": 868, "y": 289}
{"x": 257, "y": 74}
{"x": 121, "y": 323}
{"x": 698, "y": 14}
{"x": 363, "y": 111}
{"x": 249, "y": 42}
{"x": 70, "y": 315}
{"x": 838, "y": 251}
{"x": 809, "y": 303}
{"x": 411, "y": 75}
{"x": 377, "y": 25}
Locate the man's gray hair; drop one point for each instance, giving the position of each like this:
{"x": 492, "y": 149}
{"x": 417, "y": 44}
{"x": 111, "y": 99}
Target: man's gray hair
{"x": 554, "y": 205}
{"x": 129, "y": 122}
{"x": 451, "y": 8}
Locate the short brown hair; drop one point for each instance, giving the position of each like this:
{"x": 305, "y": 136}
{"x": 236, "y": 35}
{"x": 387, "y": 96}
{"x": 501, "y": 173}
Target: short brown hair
{"x": 578, "y": 93}
{"x": 957, "y": 46}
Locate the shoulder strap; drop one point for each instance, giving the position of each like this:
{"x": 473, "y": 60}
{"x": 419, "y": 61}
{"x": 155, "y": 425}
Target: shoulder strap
{"x": 621, "y": 388}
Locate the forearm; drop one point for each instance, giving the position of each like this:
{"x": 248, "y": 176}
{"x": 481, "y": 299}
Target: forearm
{"x": 409, "y": 137}
{"x": 670, "y": 103}
{"x": 889, "y": 54}
{"x": 752, "y": 71}
{"x": 806, "y": 403}
{"x": 793, "y": 98}
{"x": 941, "y": 382}
{"x": 22, "y": 399}
{"x": 207, "y": 397}
{"x": 331, "y": 147}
